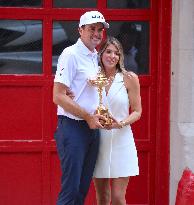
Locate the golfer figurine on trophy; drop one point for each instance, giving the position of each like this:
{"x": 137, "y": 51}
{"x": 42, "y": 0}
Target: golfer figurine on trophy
{"x": 100, "y": 81}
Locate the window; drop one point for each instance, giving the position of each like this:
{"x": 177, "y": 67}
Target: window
{"x": 68, "y": 35}
{"x": 21, "y": 3}
{"x": 127, "y": 4}
{"x": 75, "y": 3}
{"x": 20, "y": 46}
{"x": 134, "y": 37}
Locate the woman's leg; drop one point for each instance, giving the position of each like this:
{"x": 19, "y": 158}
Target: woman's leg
{"x": 102, "y": 187}
{"x": 118, "y": 190}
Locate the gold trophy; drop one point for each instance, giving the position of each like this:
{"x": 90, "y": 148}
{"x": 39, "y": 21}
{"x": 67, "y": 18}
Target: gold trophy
{"x": 100, "y": 81}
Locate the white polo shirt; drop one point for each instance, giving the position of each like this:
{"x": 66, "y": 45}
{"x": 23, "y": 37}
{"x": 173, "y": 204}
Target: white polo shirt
{"x": 76, "y": 65}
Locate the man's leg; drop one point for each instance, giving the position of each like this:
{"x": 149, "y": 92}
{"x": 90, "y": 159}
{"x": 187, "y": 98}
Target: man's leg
{"x": 71, "y": 151}
{"x": 89, "y": 163}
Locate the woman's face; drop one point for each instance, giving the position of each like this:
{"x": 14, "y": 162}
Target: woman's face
{"x": 110, "y": 57}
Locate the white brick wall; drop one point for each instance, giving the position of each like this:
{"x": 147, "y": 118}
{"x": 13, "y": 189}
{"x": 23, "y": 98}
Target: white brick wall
{"x": 182, "y": 92}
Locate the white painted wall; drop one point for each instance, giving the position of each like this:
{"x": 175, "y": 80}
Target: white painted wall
{"x": 182, "y": 92}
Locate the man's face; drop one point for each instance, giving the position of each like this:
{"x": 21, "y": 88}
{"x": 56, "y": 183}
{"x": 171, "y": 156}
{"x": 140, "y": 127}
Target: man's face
{"x": 91, "y": 35}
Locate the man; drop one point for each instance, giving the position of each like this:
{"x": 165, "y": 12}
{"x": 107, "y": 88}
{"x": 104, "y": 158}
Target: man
{"x": 77, "y": 136}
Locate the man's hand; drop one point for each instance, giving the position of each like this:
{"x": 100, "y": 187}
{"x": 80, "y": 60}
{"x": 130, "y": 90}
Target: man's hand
{"x": 94, "y": 121}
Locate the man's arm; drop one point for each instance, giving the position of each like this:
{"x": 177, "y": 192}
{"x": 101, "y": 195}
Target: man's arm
{"x": 62, "y": 98}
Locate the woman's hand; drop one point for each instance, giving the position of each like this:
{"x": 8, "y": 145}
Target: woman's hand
{"x": 114, "y": 125}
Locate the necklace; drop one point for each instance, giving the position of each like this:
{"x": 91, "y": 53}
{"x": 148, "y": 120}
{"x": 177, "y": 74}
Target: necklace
{"x": 111, "y": 78}
{"x": 110, "y": 82}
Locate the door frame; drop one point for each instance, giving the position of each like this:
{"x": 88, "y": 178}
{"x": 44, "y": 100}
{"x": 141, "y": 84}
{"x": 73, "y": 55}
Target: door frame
{"x": 162, "y": 23}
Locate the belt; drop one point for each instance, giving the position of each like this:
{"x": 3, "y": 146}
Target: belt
{"x": 62, "y": 117}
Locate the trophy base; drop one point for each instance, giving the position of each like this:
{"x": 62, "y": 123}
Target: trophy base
{"x": 104, "y": 111}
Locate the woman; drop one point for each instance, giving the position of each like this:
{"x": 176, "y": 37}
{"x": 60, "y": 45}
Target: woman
{"x": 117, "y": 159}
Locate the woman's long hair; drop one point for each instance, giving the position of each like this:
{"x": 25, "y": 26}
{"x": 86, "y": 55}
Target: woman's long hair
{"x": 112, "y": 41}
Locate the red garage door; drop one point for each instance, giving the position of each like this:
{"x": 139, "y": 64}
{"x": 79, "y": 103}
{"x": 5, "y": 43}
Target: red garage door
{"x": 32, "y": 35}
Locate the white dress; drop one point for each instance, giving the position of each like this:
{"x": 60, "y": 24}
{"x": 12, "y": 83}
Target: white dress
{"x": 117, "y": 155}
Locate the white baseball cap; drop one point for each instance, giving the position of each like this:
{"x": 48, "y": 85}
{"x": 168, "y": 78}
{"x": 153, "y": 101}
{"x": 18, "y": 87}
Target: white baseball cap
{"x": 91, "y": 17}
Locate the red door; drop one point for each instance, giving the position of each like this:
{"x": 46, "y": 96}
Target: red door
{"x": 32, "y": 35}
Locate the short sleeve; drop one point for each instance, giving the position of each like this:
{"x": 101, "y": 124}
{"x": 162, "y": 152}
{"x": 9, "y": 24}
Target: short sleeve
{"x": 66, "y": 68}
